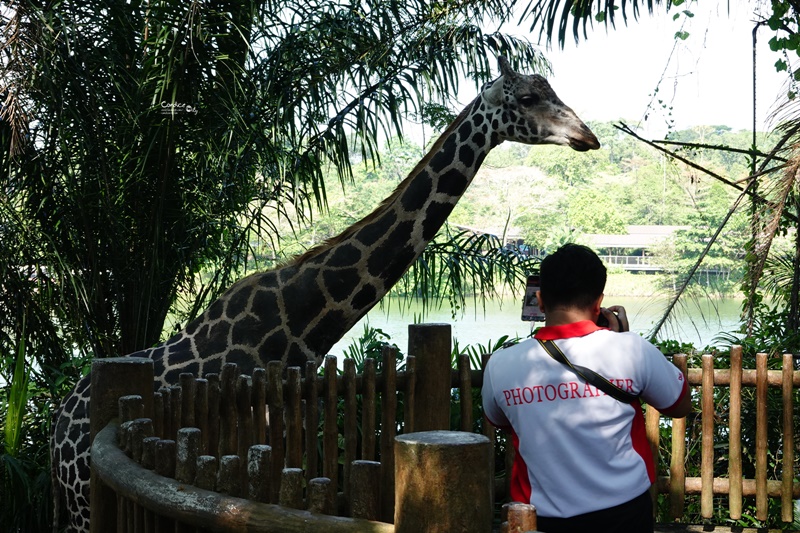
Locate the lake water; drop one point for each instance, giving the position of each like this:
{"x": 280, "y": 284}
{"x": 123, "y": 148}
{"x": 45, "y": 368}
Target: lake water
{"x": 695, "y": 322}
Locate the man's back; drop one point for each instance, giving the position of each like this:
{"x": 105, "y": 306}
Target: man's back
{"x": 579, "y": 450}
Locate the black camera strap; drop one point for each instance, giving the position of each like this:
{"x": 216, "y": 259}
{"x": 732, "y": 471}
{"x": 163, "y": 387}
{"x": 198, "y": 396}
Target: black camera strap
{"x": 589, "y": 375}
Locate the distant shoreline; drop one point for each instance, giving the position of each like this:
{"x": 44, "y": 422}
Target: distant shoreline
{"x": 646, "y": 285}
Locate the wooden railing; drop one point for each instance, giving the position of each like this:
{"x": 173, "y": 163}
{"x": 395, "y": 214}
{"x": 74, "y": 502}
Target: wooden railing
{"x": 734, "y": 486}
{"x": 281, "y": 451}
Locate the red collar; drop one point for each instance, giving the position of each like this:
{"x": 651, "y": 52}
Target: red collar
{"x": 565, "y": 331}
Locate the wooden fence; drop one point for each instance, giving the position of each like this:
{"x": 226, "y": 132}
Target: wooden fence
{"x": 281, "y": 452}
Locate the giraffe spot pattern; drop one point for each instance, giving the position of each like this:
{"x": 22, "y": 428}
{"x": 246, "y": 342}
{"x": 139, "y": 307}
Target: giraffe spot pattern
{"x": 452, "y": 183}
{"x": 444, "y": 157}
{"x": 435, "y": 216}
{"x": 296, "y": 356}
{"x": 467, "y": 157}
{"x": 341, "y": 283}
{"x": 320, "y": 336}
{"x": 417, "y": 192}
{"x": 276, "y": 343}
{"x": 390, "y": 249}
{"x": 215, "y": 310}
{"x": 238, "y": 302}
{"x": 367, "y": 296}
{"x": 404, "y": 258}
{"x": 345, "y": 255}
{"x": 215, "y": 340}
{"x": 303, "y": 299}
{"x": 370, "y": 234}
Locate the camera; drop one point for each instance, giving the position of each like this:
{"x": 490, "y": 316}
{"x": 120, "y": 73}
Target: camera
{"x": 602, "y": 321}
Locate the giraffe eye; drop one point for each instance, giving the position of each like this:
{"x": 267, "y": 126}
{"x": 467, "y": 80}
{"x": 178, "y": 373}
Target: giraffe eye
{"x": 528, "y": 100}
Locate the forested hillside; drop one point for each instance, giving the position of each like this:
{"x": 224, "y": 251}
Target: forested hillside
{"x": 548, "y": 195}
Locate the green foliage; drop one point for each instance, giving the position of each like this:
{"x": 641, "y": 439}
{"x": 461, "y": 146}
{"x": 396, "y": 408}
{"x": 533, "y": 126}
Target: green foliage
{"x": 784, "y": 20}
{"x": 369, "y": 344}
{"x": 594, "y": 211}
{"x": 572, "y": 170}
{"x": 455, "y": 266}
{"x": 477, "y": 351}
{"x": 14, "y": 406}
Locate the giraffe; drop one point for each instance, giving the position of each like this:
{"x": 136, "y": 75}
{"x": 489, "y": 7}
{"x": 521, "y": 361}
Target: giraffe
{"x": 299, "y": 310}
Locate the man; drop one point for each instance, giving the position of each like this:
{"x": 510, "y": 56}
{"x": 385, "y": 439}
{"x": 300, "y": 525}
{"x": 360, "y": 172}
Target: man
{"x": 582, "y": 458}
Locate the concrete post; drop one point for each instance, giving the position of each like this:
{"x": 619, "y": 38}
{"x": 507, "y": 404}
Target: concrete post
{"x": 430, "y": 345}
{"x": 443, "y": 482}
{"x": 111, "y": 379}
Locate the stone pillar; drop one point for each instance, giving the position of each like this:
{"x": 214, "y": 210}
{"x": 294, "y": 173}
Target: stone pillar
{"x": 430, "y": 345}
{"x": 112, "y": 378}
{"x": 443, "y": 482}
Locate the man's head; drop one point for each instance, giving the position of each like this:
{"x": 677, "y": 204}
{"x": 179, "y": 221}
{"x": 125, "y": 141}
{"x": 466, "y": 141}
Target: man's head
{"x": 572, "y": 277}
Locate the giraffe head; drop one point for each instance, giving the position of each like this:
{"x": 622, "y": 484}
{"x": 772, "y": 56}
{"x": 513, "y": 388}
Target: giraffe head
{"x": 526, "y": 109}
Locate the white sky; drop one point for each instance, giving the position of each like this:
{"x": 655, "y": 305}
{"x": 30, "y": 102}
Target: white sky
{"x": 707, "y": 79}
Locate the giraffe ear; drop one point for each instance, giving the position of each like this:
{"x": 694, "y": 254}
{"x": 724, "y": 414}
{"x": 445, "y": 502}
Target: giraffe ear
{"x": 493, "y": 92}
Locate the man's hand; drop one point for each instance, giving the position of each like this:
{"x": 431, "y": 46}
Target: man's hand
{"x": 617, "y": 318}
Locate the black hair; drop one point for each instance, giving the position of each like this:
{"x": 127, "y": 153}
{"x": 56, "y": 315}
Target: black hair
{"x": 572, "y": 276}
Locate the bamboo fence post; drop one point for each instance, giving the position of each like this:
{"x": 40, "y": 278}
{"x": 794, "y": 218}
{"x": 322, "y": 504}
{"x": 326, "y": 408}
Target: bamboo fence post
{"x": 707, "y": 453}
{"x": 677, "y": 468}
{"x": 652, "y": 430}
{"x": 206, "y": 472}
{"x": 110, "y": 379}
{"x": 166, "y": 412}
{"x": 292, "y": 488}
{"x": 149, "y": 452}
{"x": 244, "y": 416}
{"x": 350, "y": 424}
{"x": 454, "y": 493}
{"x": 260, "y": 405}
{"x": 312, "y": 422}
{"x": 165, "y": 458}
{"x": 227, "y": 410}
{"x": 188, "y": 450}
{"x": 122, "y": 514}
{"x": 465, "y": 391}
{"x": 201, "y": 411}
{"x": 430, "y": 344}
{"x": 158, "y": 414}
{"x": 294, "y": 418}
{"x": 176, "y": 402}
{"x": 365, "y": 492}
{"x": 214, "y": 393}
{"x": 229, "y": 475}
{"x": 130, "y": 407}
{"x": 489, "y": 431}
{"x": 321, "y": 496}
{"x": 518, "y": 517}
{"x": 761, "y": 436}
{"x": 187, "y": 383}
{"x": 787, "y": 468}
{"x": 368, "y": 411}
{"x": 258, "y": 472}
{"x": 141, "y": 428}
{"x": 388, "y": 431}
{"x": 275, "y": 409}
{"x": 409, "y": 395}
{"x": 330, "y": 431}
{"x": 735, "y": 435}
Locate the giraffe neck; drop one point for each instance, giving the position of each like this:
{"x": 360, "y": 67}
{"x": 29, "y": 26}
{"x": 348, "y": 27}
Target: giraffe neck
{"x": 357, "y": 268}
{"x": 297, "y": 312}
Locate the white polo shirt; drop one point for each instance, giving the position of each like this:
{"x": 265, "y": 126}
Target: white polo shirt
{"x": 578, "y": 449}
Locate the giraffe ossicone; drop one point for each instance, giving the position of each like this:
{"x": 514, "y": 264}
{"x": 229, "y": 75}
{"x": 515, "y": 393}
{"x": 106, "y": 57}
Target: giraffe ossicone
{"x": 299, "y": 310}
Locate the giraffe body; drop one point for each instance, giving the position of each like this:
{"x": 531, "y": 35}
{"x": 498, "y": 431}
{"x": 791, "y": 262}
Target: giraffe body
{"x": 297, "y": 312}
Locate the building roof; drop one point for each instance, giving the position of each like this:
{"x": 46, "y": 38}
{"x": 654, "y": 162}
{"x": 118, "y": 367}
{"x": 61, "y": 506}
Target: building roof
{"x": 637, "y": 237}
